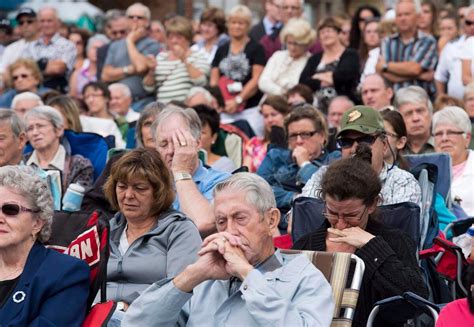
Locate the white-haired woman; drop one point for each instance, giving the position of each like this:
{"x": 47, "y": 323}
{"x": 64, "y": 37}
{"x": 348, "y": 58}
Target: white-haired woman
{"x": 452, "y": 134}
{"x": 38, "y": 286}
{"x": 238, "y": 64}
{"x": 44, "y": 129}
{"x": 284, "y": 67}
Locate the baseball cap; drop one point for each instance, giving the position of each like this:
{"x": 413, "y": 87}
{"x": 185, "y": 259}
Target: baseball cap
{"x": 27, "y": 11}
{"x": 362, "y": 119}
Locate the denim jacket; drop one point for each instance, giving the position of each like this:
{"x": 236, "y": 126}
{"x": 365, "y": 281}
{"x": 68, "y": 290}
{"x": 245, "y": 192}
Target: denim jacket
{"x": 286, "y": 177}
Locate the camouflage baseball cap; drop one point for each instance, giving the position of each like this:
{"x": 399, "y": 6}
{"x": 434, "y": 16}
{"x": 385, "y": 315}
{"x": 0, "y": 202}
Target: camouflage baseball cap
{"x": 362, "y": 119}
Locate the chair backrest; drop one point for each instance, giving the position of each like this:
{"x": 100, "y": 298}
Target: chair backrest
{"x": 308, "y": 217}
{"x": 345, "y": 285}
{"x": 230, "y": 142}
{"x": 443, "y": 162}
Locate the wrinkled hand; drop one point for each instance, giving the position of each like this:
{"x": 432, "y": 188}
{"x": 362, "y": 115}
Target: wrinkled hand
{"x": 179, "y": 52}
{"x": 355, "y": 236}
{"x": 185, "y": 159}
{"x": 211, "y": 265}
{"x": 231, "y": 106}
{"x": 137, "y": 34}
{"x": 300, "y": 155}
{"x": 151, "y": 62}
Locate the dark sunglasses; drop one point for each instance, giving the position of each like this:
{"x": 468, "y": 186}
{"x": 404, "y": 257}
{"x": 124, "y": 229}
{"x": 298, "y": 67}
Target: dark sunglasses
{"x": 119, "y": 32}
{"x": 135, "y": 17}
{"x": 16, "y": 77}
{"x": 346, "y": 142}
{"x": 13, "y": 209}
{"x": 469, "y": 22}
{"x": 28, "y": 21}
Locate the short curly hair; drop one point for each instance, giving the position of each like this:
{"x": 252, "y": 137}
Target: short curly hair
{"x": 25, "y": 181}
{"x": 147, "y": 164}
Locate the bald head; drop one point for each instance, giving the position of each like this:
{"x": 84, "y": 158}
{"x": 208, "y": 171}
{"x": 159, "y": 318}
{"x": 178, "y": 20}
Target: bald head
{"x": 376, "y": 92}
{"x": 49, "y": 21}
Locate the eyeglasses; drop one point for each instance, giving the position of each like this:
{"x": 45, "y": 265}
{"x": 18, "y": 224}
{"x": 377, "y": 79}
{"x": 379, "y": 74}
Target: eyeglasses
{"x": 303, "y": 135}
{"x": 469, "y": 22}
{"x": 135, "y": 17}
{"x": 391, "y": 134}
{"x": 346, "y": 142}
{"x": 118, "y": 33}
{"x": 293, "y": 8}
{"x": 17, "y": 77}
{"x": 93, "y": 95}
{"x": 294, "y": 44}
{"x": 13, "y": 209}
{"x": 39, "y": 127}
{"x": 350, "y": 218}
{"x": 28, "y": 21}
{"x": 440, "y": 134}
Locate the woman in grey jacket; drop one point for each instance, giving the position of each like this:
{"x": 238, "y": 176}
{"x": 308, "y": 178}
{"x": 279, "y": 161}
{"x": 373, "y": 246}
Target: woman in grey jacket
{"x": 149, "y": 241}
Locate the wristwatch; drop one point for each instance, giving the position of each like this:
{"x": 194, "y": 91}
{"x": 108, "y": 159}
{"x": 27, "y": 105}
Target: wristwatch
{"x": 385, "y": 67}
{"x": 182, "y": 176}
{"x": 238, "y": 99}
{"x": 120, "y": 306}
{"x": 126, "y": 70}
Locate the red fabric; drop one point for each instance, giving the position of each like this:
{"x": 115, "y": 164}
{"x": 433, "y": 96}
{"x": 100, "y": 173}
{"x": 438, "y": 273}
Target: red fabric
{"x": 223, "y": 82}
{"x": 283, "y": 241}
{"x": 456, "y": 314}
{"x": 100, "y": 314}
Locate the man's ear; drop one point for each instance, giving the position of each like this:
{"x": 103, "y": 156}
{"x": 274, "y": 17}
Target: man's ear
{"x": 273, "y": 218}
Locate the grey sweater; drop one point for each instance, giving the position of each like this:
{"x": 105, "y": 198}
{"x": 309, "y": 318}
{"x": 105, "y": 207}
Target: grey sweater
{"x": 161, "y": 253}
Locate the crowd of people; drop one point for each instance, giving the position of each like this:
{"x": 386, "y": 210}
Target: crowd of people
{"x": 214, "y": 128}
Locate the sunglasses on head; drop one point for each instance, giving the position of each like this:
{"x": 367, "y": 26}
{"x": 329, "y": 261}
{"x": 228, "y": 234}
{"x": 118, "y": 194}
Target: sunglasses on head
{"x": 346, "y": 142}
{"x": 13, "y": 209}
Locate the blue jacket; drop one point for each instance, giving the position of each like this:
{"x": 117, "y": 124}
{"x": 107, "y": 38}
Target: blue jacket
{"x": 55, "y": 288}
{"x": 286, "y": 177}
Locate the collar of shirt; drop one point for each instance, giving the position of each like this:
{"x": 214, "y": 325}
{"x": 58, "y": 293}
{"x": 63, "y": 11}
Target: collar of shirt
{"x": 56, "y": 163}
{"x": 53, "y": 40}
{"x": 268, "y": 25}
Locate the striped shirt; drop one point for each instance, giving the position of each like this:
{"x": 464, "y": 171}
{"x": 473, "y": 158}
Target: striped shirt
{"x": 172, "y": 77}
{"x": 421, "y": 49}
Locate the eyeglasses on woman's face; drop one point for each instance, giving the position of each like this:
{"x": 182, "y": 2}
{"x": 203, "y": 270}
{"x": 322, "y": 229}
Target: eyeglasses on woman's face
{"x": 351, "y": 218}
{"x": 14, "y": 209}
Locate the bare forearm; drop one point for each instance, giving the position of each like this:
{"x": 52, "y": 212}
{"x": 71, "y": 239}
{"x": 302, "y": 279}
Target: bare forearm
{"x": 195, "y": 206}
{"x": 395, "y": 78}
{"x": 440, "y": 87}
{"x": 112, "y": 74}
{"x": 404, "y": 69}
{"x": 138, "y": 60}
{"x": 187, "y": 280}
{"x": 214, "y": 80}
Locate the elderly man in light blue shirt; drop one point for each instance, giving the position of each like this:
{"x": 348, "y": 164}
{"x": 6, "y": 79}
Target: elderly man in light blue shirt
{"x": 239, "y": 278}
{"x": 177, "y": 134}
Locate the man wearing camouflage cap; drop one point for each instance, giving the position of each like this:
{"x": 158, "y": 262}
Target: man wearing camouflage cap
{"x": 363, "y": 124}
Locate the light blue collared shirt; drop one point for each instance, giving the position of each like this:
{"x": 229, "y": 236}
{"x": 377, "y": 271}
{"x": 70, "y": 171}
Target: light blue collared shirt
{"x": 295, "y": 294}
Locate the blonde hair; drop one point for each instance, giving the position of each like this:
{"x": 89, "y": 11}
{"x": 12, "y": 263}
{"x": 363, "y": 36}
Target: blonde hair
{"x": 241, "y": 11}
{"x": 180, "y": 25}
{"x": 300, "y": 29}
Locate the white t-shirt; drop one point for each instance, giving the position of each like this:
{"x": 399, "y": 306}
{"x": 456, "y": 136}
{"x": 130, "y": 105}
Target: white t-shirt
{"x": 12, "y": 53}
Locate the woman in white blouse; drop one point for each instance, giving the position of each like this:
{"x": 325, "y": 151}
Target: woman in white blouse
{"x": 284, "y": 67}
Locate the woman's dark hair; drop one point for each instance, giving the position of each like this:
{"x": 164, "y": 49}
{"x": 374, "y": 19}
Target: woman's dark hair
{"x": 354, "y": 37}
{"x": 363, "y": 49}
{"x": 468, "y": 282}
{"x": 208, "y": 116}
{"x": 434, "y": 11}
{"x": 70, "y": 110}
{"x": 216, "y": 16}
{"x": 278, "y": 103}
{"x": 313, "y": 114}
{"x": 97, "y": 86}
{"x": 84, "y": 34}
{"x": 352, "y": 177}
{"x": 330, "y": 22}
{"x": 395, "y": 119}
{"x": 303, "y": 90}
{"x": 146, "y": 164}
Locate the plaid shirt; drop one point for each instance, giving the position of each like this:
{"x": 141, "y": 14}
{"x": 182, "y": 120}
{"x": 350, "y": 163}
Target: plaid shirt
{"x": 397, "y": 185}
{"x": 421, "y": 49}
{"x": 58, "y": 49}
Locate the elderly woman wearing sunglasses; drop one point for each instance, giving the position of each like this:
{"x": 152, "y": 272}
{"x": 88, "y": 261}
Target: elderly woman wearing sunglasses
{"x": 36, "y": 284}
{"x": 351, "y": 191}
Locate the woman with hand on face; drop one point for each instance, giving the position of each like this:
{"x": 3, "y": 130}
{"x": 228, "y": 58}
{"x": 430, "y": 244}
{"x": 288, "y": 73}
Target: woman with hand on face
{"x": 274, "y": 110}
{"x": 149, "y": 241}
{"x": 336, "y": 70}
{"x": 44, "y": 129}
{"x": 452, "y": 134}
{"x": 238, "y": 64}
{"x": 284, "y": 67}
{"x": 350, "y": 189}
{"x": 38, "y": 286}
{"x": 175, "y": 71}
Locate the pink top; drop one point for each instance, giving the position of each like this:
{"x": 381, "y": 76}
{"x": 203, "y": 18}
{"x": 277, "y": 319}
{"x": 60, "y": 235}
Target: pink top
{"x": 459, "y": 169}
{"x": 256, "y": 150}
{"x": 456, "y": 314}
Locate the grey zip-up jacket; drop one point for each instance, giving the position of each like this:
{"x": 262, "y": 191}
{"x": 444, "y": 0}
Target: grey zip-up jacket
{"x": 161, "y": 253}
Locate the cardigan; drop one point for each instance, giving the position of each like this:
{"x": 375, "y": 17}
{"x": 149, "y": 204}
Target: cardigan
{"x": 52, "y": 291}
{"x": 345, "y": 77}
{"x": 391, "y": 267}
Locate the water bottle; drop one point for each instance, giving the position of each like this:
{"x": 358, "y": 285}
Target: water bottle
{"x": 464, "y": 241}
{"x": 72, "y": 200}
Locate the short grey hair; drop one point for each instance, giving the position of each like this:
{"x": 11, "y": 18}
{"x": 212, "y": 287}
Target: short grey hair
{"x": 455, "y": 116}
{"x": 139, "y": 5}
{"x": 469, "y": 10}
{"x": 195, "y": 90}
{"x": 416, "y": 3}
{"x": 122, "y": 88}
{"x": 26, "y": 96}
{"x": 11, "y": 118}
{"x": 258, "y": 192}
{"x": 25, "y": 181}
{"x": 412, "y": 94}
{"x": 189, "y": 116}
{"x": 112, "y": 15}
{"x": 98, "y": 37}
{"x": 48, "y": 113}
